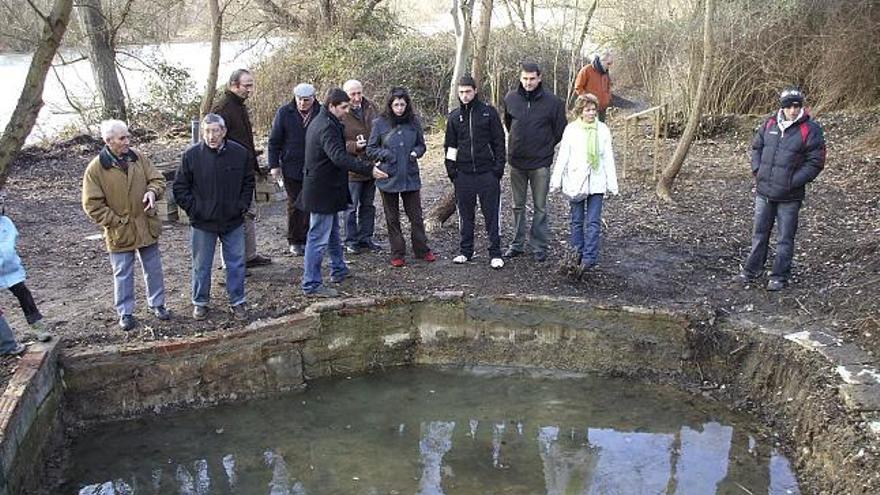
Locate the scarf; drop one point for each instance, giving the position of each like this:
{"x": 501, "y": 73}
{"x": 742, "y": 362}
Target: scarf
{"x": 592, "y": 135}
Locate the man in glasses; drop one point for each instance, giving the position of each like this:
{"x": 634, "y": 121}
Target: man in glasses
{"x": 788, "y": 152}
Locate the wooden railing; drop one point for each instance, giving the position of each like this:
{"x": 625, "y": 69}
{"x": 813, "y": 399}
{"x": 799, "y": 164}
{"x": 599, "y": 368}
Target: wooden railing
{"x": 660, "y": 116}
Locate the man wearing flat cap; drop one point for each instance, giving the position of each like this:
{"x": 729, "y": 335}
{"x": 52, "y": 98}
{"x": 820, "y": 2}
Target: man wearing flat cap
{"x": 287, "y": 150}
{"x": 788, "y": 152}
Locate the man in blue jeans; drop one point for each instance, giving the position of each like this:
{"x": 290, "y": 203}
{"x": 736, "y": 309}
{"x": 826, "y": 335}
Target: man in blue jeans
{"x": 788, "y": 152}
{"x": 215, "y": 185}
{"x": 325, "y": 192}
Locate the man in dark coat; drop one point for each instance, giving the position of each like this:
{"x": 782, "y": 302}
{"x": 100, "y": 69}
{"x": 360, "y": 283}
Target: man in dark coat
{"x": 325, "y": 192}
{"x": 535, "y": 119}
{"x": 287, "y": 154}
{"x": 239, "y": 129}
{"x": 788, "y": 152}
{"x": 215, "y": 186}
{"x": 475, "y": 157}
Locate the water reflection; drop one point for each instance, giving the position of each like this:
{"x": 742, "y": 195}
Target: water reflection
{"x": 395, "y": 437}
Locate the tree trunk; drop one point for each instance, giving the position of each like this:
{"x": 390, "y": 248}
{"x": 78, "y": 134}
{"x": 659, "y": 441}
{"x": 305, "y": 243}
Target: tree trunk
{"x": 575, "y": 53}
{"x": 102, "y": 58}
{"x": 479, "y": 63}
{"x": 440, "y": 212}
{"x": 216, "y": 35}
{"x": 31, "y": 100}
{"x": 664, "y": 185}
{"x": 462, "y": 13}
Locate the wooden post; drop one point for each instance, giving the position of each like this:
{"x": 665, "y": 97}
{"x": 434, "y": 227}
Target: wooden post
{"x": 625, "y": 148}
{"x": 656, "y": 142}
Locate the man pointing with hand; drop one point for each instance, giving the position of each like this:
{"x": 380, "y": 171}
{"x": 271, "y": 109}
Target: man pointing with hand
{"x": 325, "y": 192}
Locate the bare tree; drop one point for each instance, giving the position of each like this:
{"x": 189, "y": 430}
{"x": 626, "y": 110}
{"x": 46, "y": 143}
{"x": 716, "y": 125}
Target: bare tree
{"x": 31, "y": 100}
{"x": 482, "y": 44}
{"x": 462, "y": 14}
{"x": 664, "y": 185}
{"x": 216, "y": 35}
{"x": 578, "y": 47}
{"x": 102, "y": 58}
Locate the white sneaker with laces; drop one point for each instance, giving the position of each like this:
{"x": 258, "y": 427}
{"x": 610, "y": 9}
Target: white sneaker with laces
{"x": 460, "y": 259}
{"x": 497, "y": 263}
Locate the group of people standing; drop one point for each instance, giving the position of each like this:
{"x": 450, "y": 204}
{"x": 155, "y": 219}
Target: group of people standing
{"x": 332, "y": 157}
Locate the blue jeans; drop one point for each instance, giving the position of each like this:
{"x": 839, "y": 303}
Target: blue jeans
{"x": 586, "y": 228}
{"x": 785, "y": 214}
{"x": 203, "y": 244}
{"x": 360, "y": 217}
{"x": 539, "y": 182}
{"x": 123, "y": 278}
{"x": 7, "y": 337}
{"x": 323, "y": 236}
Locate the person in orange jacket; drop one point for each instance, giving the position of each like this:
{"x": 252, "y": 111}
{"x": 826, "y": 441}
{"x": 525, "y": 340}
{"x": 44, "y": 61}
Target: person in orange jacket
{"x": 594, "y": 78}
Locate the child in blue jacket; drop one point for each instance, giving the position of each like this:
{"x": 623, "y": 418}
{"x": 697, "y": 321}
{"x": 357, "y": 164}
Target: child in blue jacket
{"x": 12, "y": 277}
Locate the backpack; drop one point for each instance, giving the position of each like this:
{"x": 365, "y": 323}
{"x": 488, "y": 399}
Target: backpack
{"x": 805, "y": 129}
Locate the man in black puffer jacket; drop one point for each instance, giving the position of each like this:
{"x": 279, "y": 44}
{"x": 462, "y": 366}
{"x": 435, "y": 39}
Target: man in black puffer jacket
{"x": 475, "y": 158}
{"x": 787, "y": 153}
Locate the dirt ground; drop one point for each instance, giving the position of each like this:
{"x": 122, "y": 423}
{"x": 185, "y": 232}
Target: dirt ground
{"x": 652, "y": 253}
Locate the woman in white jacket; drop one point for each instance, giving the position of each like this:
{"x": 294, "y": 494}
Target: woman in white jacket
{"x": 584, "y": 172}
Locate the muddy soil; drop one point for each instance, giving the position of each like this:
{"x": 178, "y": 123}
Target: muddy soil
{"x": 653, "y": 253}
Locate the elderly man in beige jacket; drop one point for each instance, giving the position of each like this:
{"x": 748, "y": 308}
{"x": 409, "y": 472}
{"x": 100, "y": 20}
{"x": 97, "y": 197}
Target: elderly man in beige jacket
{"x": 119, "y": 193}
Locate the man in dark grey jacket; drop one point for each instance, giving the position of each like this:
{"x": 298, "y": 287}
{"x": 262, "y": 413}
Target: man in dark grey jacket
{"x": 787, "y": 153}
{"x": 535, "y": 120}
{"x": 215, "y": 185}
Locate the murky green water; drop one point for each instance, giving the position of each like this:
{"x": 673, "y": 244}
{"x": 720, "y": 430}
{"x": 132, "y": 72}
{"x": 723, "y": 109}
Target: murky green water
{"x": 439, "y": 431}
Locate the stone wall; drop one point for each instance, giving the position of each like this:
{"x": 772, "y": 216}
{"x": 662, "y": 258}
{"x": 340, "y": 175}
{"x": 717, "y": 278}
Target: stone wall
{"x": 29, "y": 417}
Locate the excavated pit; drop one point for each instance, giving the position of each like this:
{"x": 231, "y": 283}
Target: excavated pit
{"x": 790, "y": 392}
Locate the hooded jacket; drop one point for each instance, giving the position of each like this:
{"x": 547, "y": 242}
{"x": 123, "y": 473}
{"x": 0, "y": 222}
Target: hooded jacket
{"x": 287, "y": 141}
{"x": 113, "y": 198}
{"x": 783, "y": 162}
{"x": 325, "y": 179}
{"x": 474, "y": 131}
{"x": 215, "y": 187}
{"x": 535, "y": 121}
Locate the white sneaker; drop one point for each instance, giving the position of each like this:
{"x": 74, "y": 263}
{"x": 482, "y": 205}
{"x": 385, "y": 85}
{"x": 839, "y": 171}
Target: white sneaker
{"x": 497, "y": 263}
{"x": 460, "y": 259}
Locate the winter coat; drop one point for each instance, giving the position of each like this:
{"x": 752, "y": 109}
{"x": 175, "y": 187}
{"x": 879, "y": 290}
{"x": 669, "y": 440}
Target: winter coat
{"x": 783, "y": 162}
{"x": 594, "y": 79}
{"x": 393, "y": 145}
{"x": 287, "y": 141}
{"x": 238, "y": 123}
{"x": 11, "y": 269}
{"x": 535, "y": 121}
{"x": 474, "y": 131}
{"x": 355, "y": 127}
{"x": 325, "y": 179}
{"x": 113, "y": 199}
{"x": 215, "y": 187}
{"x": 573, "y": 175}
